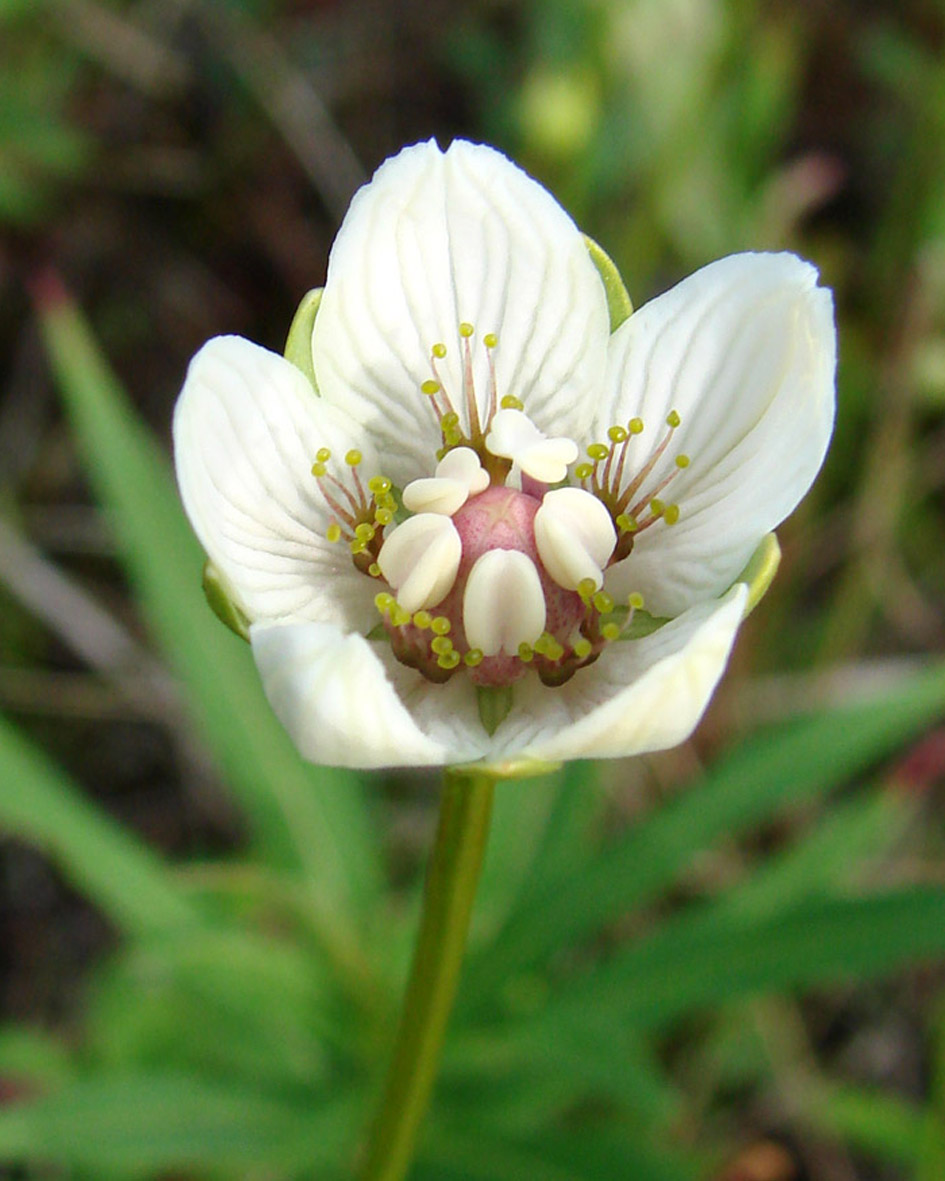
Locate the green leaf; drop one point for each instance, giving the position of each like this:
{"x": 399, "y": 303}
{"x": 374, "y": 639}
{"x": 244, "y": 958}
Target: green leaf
{"x": 39, "y": 804}
{"x": 702, "y": 957}
{"x": 308, "y": 820}
{"x": 143, "y": 1123}
{"x": 784, "y": 766}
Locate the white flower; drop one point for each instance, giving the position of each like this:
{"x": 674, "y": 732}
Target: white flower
{"x": 464, "y": 360}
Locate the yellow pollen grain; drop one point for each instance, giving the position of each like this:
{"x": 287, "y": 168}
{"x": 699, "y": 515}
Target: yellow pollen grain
{"x": 448, "y": 421}
{"x": 617, "y": 434}
{"x": 318, "y": 470}
{"x": 682, "y": 461}
{"x": 353, "y": 457}
{"x": 657, "y": 507}
{"x": 466, "y": 329}
{"x": 626, "y": 524}
{"x": 378, "y": 485}
{"x": 510, "y": 402}
{"x": 357, "y": 546}
{"x": 333, "y": 532}
{"x": 323, "y": 455}
{"x": 490, "y": 340}
{"x": 439, "y": 351}
{"x": 422, "y": 619}
{"x": 383, "y": 516}
{"x": 440, "y": 625}
{"x": 440, "y": 645}
{"x": 671, "y": 515}
{"x": 635, "y": 426}
{"x": 673, "y": 419}
{"x": 474, "y": 657}
{"x": 610, "y": 631}
{"x": 430, "y": 387}
{"x": 584, "y": 471}
{"x": 384, "y": 601}
{"x": 364, "y": 531}
{"x": 598, "y": 451}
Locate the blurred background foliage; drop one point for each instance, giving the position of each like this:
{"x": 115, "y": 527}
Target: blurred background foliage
{"x": 721, "y": 963}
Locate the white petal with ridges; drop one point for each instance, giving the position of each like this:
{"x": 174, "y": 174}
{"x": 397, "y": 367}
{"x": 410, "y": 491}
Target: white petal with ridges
{"x": 503, "y": 602}
{"x": 419, "y": 560}
{"x": 745, "y": 351}
{"x": 247, "y": 427}
{"x": 640, "y": 696}
{"x": 436, "y": 239}
{"x": 332, "y": 694}
{"x": 575, "y": 536}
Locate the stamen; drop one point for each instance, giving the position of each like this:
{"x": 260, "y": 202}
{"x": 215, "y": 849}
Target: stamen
{"x": 333, "y": 532}
{"x": 469, "y": 386}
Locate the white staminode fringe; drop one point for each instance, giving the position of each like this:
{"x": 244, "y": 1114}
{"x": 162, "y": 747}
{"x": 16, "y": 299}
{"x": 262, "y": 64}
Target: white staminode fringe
{"x": 459, "y": 475}
{"x": 503, "y": 604}
{"x": 513, "y": 435}
{"x": 420, "y": 560}
{"x": 575, "y": 536}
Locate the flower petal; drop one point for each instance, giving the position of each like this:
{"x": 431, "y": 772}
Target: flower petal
{"x": 641, "y": 695}
{"x": 332, "y": 694}
{"x": 745, "y": 351}
{"x": 436, "y": 239}
{"x": 247, "y": 427}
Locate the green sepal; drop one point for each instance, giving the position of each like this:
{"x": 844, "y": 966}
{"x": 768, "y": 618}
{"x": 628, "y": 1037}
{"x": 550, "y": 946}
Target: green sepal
{"x": 523, "y": 767}
{"x": 619, "y": 304}
{"x": 760, "y": 571}
{"x": 222, "y": 604}
{"x": 298, "y": 344}
{"x": 643, "y": 624}
{"x": 495, "y": 702}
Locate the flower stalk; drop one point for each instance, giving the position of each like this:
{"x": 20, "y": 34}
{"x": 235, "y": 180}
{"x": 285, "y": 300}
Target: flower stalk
{"x": 452, "y": 878}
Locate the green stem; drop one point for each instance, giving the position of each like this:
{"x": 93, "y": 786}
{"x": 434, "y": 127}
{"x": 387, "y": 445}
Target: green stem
{"x": 452, "y": 877}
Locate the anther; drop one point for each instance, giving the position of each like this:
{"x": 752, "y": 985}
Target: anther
{"x": 617, "y": 434}
{"x": 610, "y": 631}
{"x": 682, "y": 461}
{"x": 440, "y": 625}
{"x": 657, "y": 507}
{"x": 586, "y": 588}
{"x": 383, "y": 516}
{"x": 379, "y": 485}
{"x": 430, "y": 387}
{"x": 466, "y": 329}
{"x": 357, "y": 546}
{"x": 635, "y": 426}
{"x": 671, "y": 514}
{"x": 384, "y": 602}
{"x": 323, "y": 455}
{"x": 440, "y": 645}
{"x": 364, "y": 531}
{"x": 526, "y": 652}
{"x": 635, "y": 601}
{"x": 422, "y": 619}
{"x": 673, "y": 419}
{"x": 353, "y": 457}
{"x": 598, "y": 451}
{"x": 583, "y": 649}
{"x": 603, "y": 602}
{"x": 374, "y": 570}
{"x": 473, "y": 657}
{"x": 584, "y": 471}
{"x": 333, "y": 532}
{"x": 626, "y": 524}
{"x": 490, "y": 340}
{"x": 318, "y": 470}
{"x": 439, "y": 351}
{"x": 448, "y": 659}
{"x": 510, "y": 402}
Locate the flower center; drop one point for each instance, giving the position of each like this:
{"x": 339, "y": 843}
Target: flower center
{"x": 497, "y": 570}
